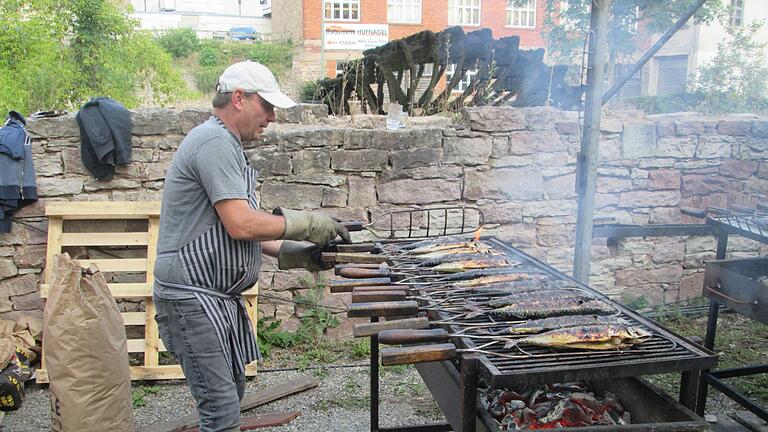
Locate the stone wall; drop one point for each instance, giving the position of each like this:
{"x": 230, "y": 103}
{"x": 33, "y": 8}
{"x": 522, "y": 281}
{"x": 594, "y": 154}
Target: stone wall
{"x": 518, "y": 165}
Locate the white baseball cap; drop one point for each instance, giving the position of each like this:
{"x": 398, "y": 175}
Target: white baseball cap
{"x": 252, "y": 77}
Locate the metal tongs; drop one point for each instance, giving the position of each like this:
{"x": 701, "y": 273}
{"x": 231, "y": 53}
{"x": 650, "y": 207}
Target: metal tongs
{"x": 422, "y": 223}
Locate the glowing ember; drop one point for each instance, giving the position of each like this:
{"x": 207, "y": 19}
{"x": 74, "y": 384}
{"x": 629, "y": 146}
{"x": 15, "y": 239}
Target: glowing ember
{"x": 553, "y": 405}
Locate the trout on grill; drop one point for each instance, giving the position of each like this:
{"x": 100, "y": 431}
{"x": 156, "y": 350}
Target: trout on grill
{"x": 460, "y": 266}
{"x": 487, "y": 280}
{"x": 553, "y": 307}
{"x": 590, "y": 337}
{"x": 516, "y": 287}
{"x": 448, "y": 246}
{"x": 491, "y": 255}
{"x": 538, "y": 295}
{"x": 552, "y": 323}
{"x": 484, "y": 272}
{"x": 447, "y": 252}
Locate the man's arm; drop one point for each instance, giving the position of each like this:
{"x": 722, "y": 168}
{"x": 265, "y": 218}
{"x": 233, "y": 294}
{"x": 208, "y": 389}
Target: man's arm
{"x": 244, "y": 223}
{"x": 271, "y": 248}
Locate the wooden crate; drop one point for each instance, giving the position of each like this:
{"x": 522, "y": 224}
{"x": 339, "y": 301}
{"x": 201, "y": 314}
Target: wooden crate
{"x": 150, "y": 344}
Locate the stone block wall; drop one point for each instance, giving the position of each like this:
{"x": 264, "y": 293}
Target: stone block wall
{"x": 517, "y": 165}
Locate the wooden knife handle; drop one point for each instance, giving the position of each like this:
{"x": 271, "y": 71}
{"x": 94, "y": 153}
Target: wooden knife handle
{"x": 370, "y": 329}
{"x": 395, "y": 308}
{"x": 417, "y": 354}
{"x": 353, "y": 225}
{"x": 377, "y": 296}
{"x": 356, "y": 247}
{"x": 346, "y": 285}
{"x": 401, "y": 337}
{"x": 339, "y": 267}
{"x": 351, "y": 257}
{"x": 360, "y": 273}
{"x": 690, "y": 211}
{"x": 359, "y": 289}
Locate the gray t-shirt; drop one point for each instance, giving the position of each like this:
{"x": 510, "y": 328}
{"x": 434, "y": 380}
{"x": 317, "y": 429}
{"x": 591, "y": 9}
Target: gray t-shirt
{"x": 208, "y": 167}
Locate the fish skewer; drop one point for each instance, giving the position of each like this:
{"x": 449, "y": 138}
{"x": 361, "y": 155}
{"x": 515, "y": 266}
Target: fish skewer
{"x": 591, "y": 337}
{"x": 553, "y": 323}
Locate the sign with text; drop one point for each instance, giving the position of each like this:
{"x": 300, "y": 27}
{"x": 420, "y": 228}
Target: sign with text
{"x": 358, "y": 37}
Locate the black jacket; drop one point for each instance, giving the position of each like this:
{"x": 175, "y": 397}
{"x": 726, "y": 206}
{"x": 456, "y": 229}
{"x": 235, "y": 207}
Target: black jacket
{"x": 105, "y": 136}
{"x": 17, "y": 171}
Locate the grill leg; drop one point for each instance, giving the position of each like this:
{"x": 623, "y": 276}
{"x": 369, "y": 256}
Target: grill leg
{"x": 709, "y": 338}
{"x": 468, "y": 388}
{"x": 374, "y": 379}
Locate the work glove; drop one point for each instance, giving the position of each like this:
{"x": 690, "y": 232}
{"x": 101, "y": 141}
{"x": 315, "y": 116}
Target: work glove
{"x": 295, "y": 254}
{"x": 312, "y": 227}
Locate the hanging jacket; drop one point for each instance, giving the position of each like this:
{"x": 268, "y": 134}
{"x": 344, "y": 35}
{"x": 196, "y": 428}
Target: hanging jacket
{"x": 105, "y": 136}
{"x": 17, "y": 170}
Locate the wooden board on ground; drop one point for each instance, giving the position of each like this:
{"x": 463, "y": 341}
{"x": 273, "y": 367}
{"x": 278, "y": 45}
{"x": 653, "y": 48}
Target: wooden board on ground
{"x": 252, "y": 423}
{"x": 249, "y": 401}
{"x": 150, "y": 345}
{"x": 750, "y": 421}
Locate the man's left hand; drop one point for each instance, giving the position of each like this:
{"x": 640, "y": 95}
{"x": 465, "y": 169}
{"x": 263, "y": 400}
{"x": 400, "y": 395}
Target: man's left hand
{"x": 295, "y": 254}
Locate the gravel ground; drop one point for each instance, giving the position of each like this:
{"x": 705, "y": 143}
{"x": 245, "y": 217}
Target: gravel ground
{"x": 339, "y": 403}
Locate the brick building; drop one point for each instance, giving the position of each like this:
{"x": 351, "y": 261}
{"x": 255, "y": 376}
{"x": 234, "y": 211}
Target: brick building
{"x": 361, "y": 24}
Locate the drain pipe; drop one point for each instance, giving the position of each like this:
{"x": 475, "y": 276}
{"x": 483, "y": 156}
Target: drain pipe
{"x": 586, "y": 168}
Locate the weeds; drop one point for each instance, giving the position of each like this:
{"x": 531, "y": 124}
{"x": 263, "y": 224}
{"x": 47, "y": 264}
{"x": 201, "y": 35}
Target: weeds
{"x": 138, "y": 394}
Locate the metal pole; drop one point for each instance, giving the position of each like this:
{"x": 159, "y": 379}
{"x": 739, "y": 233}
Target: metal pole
{"x": 652, "y": 51}
{"x": 322, "y": 39}
{"x": 586, "y": 169}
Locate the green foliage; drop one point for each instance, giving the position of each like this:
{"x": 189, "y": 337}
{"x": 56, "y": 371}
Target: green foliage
{"x": 635, "y": 302}
{"x": 664, "y": 104}
{"x": 567, "y": 23}
{"x": 59, "y": 54}
{"x": 735, "y": 80}
{"x": 314, "y": 321}
{"x": 137, "y": 394}
{"x": 180, "y": 42}
{"x": 362, "y": 349}
{"x": 209, "y": 56}
{"x": 310, "y": 91}
{"x": 207, "y": 77}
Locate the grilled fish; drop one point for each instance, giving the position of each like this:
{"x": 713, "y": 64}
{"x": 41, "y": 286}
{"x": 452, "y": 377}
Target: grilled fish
{"x": 540, "y": 295}
{"x": 433, "y": 241}
{"x": 552, "y": 323}
{"x": 476, "y": 264}
{"x": 448, "y": 246}
{"x": 484, "y": 272}
{"x": 491, "y": 255}
{"x": 518, "y": 286}
{"x": 487, "y": 280}
{"x": 446, "y": 252}
{"x": 553, "y": 307}
{"x": 591, "y": 337}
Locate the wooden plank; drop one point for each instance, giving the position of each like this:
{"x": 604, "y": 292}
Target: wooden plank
{"x": 750, "y": 421}
{"x": 152, "y": 342}
{"x": 103, "y": 209}
{"x": 265, "y": 421}
{"x": 116, "y": 264}
{"x": 133, "y": 318}
{"x": 249, "y": 401}
{"x": 137, "y": 345}
{"x": 55, "y": 225}
{"x": 121, "y": 290}
{"x": 105, "y": 239}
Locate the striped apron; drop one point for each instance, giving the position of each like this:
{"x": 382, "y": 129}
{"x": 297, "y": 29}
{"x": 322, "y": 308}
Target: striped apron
{"x": 217, "y": 270}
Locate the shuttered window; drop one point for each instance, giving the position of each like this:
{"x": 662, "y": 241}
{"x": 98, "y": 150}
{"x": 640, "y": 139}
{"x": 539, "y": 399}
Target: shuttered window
{"x": 673, "y": 74}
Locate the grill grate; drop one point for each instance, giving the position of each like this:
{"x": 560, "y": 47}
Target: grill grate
{"x": 664, "y": 352}
{"x": 754, "y": 225}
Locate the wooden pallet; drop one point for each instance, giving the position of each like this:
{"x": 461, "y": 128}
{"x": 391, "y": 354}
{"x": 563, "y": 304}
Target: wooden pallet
{"x": 58, "y": 238}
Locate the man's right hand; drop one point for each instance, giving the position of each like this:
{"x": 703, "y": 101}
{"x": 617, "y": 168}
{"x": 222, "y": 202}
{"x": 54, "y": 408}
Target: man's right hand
{"x": 311, "y": 226}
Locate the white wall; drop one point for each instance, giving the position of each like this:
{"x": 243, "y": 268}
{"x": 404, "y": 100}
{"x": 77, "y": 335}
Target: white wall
{"x": 248, "y": 8}
{"x": 206, "y": 26}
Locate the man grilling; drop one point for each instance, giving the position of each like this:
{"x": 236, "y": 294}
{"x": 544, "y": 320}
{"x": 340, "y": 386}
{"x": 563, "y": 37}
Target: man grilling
{"x": 212, "y": 235}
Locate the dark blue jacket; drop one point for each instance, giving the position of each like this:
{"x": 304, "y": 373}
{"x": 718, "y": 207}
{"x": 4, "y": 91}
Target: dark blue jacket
{"x": 17, "y": 170}
{"x": 105, "y": 136}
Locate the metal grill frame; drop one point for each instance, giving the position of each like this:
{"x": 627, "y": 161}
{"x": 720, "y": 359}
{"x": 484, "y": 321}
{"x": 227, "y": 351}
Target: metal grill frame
{"x": 697, "y": 358}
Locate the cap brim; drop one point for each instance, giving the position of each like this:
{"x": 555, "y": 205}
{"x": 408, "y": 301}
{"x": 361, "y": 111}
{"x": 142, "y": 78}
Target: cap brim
{"x": 278, "y": 99}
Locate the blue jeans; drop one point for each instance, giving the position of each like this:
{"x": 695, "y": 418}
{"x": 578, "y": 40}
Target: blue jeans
{"x": 189, "y": 335}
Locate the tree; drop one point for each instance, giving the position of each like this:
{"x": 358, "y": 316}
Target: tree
{"x": 60, "y": 53}
{"x": 567, "y": 24}
{"x": 734, "y": 80}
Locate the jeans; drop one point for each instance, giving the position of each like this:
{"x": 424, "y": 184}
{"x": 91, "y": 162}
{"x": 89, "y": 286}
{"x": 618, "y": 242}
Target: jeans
{"x": 189, "y": 335}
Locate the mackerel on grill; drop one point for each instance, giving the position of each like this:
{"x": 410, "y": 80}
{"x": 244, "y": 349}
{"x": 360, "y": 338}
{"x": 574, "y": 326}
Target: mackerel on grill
{"x": 591, "y": 337}
{"x": 538, "y": 295}
{"x": 552, "y": 323}
{"x": 553, "y": 307}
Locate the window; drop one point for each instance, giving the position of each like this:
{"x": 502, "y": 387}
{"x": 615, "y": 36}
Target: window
{"x": 737, "y": 13}
{"x": 464, "y": 12}
{"x": 521, "y": 16}
{"x": 404, "y": 11}
{"x": 464, "y": 83}
{"x": 673, "y": 74}
{"x": 348, "y": 10}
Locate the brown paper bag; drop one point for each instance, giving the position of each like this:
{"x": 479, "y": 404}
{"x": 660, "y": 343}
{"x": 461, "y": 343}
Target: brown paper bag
{"x": 86, "y": 352}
